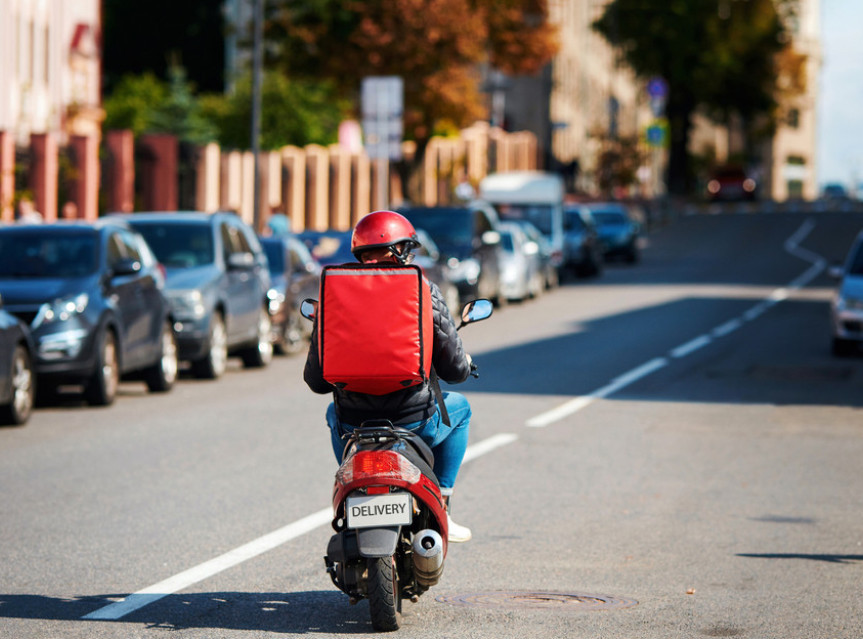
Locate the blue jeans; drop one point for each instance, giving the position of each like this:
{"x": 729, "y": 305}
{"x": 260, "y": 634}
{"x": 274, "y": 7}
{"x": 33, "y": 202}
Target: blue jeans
{"x": 448, "y": 443}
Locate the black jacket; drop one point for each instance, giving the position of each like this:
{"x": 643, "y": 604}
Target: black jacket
{"x": 413, "y": 404}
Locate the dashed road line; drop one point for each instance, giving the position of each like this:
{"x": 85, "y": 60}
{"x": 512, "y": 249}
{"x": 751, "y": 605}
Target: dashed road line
{"x": 791, "y": 245}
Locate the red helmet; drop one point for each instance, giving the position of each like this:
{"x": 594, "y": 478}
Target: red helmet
{"x": 383, "y": 229}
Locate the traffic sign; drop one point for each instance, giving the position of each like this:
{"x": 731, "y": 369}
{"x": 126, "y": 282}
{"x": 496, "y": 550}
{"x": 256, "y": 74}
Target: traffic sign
{"x": 657, "y": 87}
{"x": 656, "y": 133}
{"x": 382, "y": 103}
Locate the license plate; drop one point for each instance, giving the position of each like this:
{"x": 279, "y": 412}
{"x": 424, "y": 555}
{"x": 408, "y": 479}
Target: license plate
{"x": 368, "y": 511}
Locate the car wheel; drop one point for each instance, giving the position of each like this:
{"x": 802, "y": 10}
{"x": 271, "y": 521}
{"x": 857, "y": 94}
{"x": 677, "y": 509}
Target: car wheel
{"x": 213, "y": 364}
{"x": 261, "y": 353}
{"x": 537, "y": 285}
{"x": 293, "y": 341}
{"x": 843, "y": 347}
{"x": 160, "y": 377}
{"x": 20, "y": 406}
{"x": 101, "y": 389}
{"x": 453, "y": 301}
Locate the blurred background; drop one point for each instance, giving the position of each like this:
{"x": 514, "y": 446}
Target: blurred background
{"x": 324, "y": 110}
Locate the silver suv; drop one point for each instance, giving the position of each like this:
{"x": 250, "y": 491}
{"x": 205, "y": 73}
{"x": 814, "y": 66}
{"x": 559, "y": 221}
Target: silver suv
{"x": 217, "y": 282}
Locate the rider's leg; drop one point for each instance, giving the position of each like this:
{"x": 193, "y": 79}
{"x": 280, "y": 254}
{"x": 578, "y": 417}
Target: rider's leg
{"x": 333, "y": 424}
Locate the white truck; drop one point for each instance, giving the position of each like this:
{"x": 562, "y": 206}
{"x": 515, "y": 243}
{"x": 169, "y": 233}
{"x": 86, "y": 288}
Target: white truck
{"x": 535, "y": 196}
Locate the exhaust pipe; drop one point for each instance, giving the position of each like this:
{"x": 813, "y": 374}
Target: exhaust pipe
{"x": 428, "y": 557}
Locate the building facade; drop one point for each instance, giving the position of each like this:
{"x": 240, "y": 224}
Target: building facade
{"x": 50, "y": 68}
{"x": 587, "y": 98}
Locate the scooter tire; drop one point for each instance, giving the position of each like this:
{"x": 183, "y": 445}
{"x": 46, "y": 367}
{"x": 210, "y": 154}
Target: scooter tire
{"x": 383, "y": 594}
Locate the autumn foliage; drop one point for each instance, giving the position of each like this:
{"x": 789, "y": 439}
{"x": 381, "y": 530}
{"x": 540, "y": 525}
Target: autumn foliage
{"x": 438, "y": 47}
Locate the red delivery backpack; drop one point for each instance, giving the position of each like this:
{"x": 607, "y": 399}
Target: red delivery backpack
{"x": 375, "y": 327}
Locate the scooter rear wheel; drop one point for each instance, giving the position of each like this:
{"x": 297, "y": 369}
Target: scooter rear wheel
{"x": 383, "y": 594}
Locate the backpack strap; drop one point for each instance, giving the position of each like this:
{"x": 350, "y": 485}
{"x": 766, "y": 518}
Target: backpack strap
{"x": 433, "y": 380}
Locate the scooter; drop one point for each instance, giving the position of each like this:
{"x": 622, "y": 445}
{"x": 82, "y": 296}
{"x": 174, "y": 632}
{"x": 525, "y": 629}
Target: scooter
{"x": 389, "y": 517}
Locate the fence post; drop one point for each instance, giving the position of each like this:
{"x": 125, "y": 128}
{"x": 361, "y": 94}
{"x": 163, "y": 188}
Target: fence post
{"x": 207, "y": 189}
{"x": 86, "y": 190}
{"x": 121, "y": 170}
{"x": 161, "y": 185}
{"x": 294, "y": 186}
{"x": 45, "y": 171}
{"x": 7, "y": 176}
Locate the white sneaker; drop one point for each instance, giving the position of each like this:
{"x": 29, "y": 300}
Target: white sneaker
{"x": 457, "y": 534}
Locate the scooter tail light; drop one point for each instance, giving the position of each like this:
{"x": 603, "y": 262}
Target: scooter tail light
{"x": 377, "y": 465}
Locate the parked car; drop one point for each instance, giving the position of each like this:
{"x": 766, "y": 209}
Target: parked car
{"x": 294, "y": 276}
{"x": 328, "y": 247}
{"x": 92, "y": 295}
{"x": 521, "y": 274}
{"x": 468, "y": 239}
{"x": 217, "y": 283}
{"x": 617, "y": 231}
{"x": 17, "y": 376}
{"x": 582, "y": 249}
{"x": 550, "y": 274}
{"x": 731, "y": 183}
{"x": 436, "y": 269}
{"x": 535, "y": 196}
{"x": 846, "y": 308}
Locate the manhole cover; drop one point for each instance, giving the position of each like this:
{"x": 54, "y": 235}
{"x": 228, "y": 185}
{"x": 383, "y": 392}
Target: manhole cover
{"x": 538, "y": 599}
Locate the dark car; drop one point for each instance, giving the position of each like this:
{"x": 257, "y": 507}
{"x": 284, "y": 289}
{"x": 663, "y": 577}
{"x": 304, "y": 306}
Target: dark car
{"x": 469, "y": 241}
{"x": 92, "y": 295}
{"x": 582, "y": 248}
{"x": 17, "y": 377}
{"x": 730, "y": 183}
{"x": 436, "y": 269}
{"x": 618, "y": 232}
{"x": 217, "y": 283}
{"x": 846, "y": 308}
{"x": 294, "y": 276}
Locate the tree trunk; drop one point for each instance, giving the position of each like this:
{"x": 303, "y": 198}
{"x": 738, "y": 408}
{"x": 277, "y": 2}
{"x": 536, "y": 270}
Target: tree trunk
{"x": 680, "y": 122}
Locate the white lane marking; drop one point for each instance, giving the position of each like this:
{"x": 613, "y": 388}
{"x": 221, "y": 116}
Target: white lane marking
{"x": 791, "y": 245}
{"x": 691, "y": 346}
{"x": 729, "y": 327}
{"x": 488, "y": 445}
{"x": 234, "y": 557}
{"x": 577, "y": 403}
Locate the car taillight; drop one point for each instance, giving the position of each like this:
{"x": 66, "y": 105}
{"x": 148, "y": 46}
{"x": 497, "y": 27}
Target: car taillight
{"x": 379, "y": 465}
{"x": 749, "y": 185}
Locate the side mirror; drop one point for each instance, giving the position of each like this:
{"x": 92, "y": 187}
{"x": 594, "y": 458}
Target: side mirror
{"x": 309, "y": 309}
{"x": 241, "y": 261}
{"x": 125, "y": 266}
{"x": 475, "y": 311}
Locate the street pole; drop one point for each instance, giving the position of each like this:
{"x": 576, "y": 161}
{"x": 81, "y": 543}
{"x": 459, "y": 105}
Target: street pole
{"x": 256, "y": 109}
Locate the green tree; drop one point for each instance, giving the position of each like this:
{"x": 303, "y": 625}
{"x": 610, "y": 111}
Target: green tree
{"x": 180, "y": 113}
{"x": 146, "y": 104}
{"x": 292, "y": 112}
{"x": 133, "y": 102}
{"x": 719, "y": 56}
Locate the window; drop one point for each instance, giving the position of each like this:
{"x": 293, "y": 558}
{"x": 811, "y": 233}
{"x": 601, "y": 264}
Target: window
{"x": 793, "y": 118}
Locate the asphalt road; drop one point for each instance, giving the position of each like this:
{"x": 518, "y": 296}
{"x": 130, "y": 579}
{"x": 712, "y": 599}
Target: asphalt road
{"x": 669, "y": 450}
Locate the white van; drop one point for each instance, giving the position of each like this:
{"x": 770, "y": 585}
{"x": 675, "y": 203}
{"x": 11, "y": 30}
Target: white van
{"x": 535, "y": 196}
